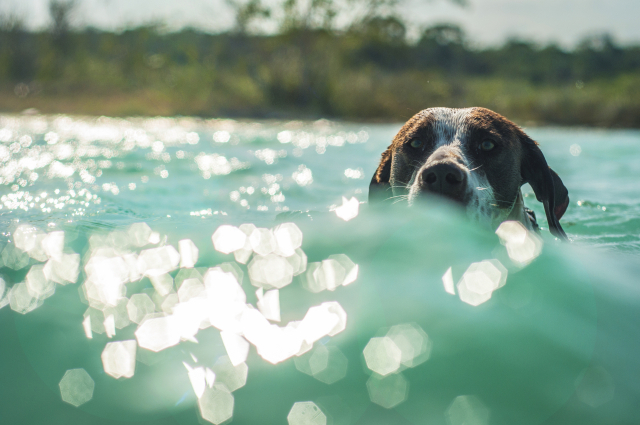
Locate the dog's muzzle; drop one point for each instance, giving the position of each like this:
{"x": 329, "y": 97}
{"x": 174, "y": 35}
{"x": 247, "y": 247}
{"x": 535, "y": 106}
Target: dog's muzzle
{"x": 447, "y": 179}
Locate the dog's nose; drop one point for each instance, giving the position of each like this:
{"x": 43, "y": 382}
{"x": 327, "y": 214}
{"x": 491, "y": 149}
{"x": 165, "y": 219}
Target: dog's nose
{"x": 445, "y": 179}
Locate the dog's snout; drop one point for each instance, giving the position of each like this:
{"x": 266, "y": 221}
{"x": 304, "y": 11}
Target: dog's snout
{"x": 446, "y": 179}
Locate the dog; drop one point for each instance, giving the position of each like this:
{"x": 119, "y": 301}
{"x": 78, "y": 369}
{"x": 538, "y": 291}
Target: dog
{"x": 474, "y": 157}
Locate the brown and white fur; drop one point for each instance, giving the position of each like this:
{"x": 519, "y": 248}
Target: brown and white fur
{"x": 474, "y": 157}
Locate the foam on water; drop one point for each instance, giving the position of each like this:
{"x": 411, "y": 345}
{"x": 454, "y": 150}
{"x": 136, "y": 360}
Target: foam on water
{"x": 147, "y": 277}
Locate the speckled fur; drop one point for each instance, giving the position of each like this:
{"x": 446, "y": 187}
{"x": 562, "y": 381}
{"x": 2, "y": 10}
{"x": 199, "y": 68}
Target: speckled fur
{"x": 493, "y": 187}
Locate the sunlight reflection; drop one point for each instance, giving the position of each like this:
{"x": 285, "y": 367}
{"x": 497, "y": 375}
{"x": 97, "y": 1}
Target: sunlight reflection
{"x": 236, "y": 346}
{"x": 447, "y": 280}
{"x": 595, "y": 386}
{"x": 76, "y": 387}
{"x": 168, "y": 310}
{"x": 4, "y": 299}
{"x": 413, "y": 342}
{"x": 158, "y": 333}
{"x": 467, "y": 409}
{"x": 349, "y": 209}
{"x": 21, "y": 300}
{"x": 523, "y": 246}
{"x": 269, "y": 304}
{"x": 270, "y": 271}
{"x": 388, "y": 391}
{"x": 119, "y": 359}
{"x": 382, "y": 355}
{"x": 306, "y": 413}
{"x": 325, "y": 363}
{"x": 188, "y": 253}
{"x": 480, "y": 280}
{"x": 227, "y": 239}
{"x": 37, "y": 283}
{"x": 216, "y": 404}
{"x": 232, "y": 376}
{"x": 198, "y": 379}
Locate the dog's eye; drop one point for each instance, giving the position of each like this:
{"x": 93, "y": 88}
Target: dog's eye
{"x": 487, "y": 145}
{"x": 416, "y": 143}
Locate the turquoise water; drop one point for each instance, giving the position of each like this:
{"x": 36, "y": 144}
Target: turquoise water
{"x": 556, "y": 343}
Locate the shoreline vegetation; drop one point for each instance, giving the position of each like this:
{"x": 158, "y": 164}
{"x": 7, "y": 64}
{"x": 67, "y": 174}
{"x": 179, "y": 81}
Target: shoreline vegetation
{"x": 366, "y": 70}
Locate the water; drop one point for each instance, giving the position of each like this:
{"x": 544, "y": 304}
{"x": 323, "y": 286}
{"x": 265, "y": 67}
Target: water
{"x": 556, "y": 344}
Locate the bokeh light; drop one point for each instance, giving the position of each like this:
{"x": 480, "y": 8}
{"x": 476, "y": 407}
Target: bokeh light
{"x": 157, "y": 334}
{"x": 382, "y": 355}
{"x": 270, "y": 271}
{"x": 388, "y": 391}
{"x": 467, "y": 410}
{"x": 595, "y": 386}
{"x": 188, "y": 253}
{"x": 232, "y": 376}
{"x": 325, "y": 363}
{"x": 21, "y": 300}
{"x": 480, "y": 280}
{"x": 306, "y": 413}
{"x": 349, "y": 209}
{"x": 227, "y": 239}
{"x": 413, "y": 342}
{"x": 216, "y": 404}
{"x": 168, "y": 310}
{"x": 139, "y": 306}
{"x": 523, "y": 246}
{"x": 119, "y": 359}
{"x": 76, "y": 387}
{"x": 447, "y": 281}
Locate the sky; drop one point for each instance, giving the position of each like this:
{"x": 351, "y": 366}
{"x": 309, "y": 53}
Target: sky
{"x": 486, "y": 22}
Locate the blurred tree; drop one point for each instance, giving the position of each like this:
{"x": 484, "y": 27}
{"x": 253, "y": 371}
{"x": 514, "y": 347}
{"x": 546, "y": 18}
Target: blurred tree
{"x": 443, "y": 46}
{"x": 444, "y": 34}
{"x": 364, "y": 11}
{"x": 247, "y": 12}
{"x": 384, "y": 30}
{"x": 308, "y": 14}
{"x": 598, "y": 56}
{"x": 61, "y": 12}
{"x": 17, "y": 53}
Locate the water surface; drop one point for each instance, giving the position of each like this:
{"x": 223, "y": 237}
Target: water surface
{"x": 555, "y": 343}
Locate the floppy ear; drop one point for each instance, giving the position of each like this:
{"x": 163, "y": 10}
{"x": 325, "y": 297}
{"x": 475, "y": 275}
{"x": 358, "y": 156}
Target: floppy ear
{"x": 546, "y": 184}
{"x": 379, "y": 188}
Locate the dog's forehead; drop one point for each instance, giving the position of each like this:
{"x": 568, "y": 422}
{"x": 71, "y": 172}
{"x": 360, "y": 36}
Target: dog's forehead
{"x": 447, "y": 125}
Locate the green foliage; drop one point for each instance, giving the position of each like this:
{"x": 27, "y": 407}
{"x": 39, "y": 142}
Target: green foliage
{"x": 366, "y": 71}
{"x": 248, "y": 12}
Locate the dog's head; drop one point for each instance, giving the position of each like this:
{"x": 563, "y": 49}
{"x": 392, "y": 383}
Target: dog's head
{"x": 474, "y": 157}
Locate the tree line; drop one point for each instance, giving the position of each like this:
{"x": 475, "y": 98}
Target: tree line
{"x": 311, "y": 66}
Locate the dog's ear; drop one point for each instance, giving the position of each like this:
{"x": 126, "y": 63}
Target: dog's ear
{"x": 379, "y": 188}
{"x": 546, "y": 184}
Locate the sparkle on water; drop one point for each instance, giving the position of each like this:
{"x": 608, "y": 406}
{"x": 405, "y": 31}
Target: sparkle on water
{"x": 325, "y": 363}
{"x": 388, "y": 391}
{"x": 595, "y": 386}
{"x": 382, "y": 355}
{"x": 404, "y": 345}
{"x": 215, "y": 299}
{"x": 76, "y": 387}
{"x": 306, "y": 413}
{"x": 216, "y": 404}
{"x": 349, "y": 209}
{"x": 522, "y": 245}
{"x": 467, "y": 410}
{"x": 119, "y": 359}
{"x": 480, "y": 280}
